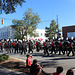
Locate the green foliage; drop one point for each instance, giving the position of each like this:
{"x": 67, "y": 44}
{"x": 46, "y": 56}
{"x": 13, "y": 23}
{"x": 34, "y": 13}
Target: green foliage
{"x": 8, "y": 6}
{"x": 3, "y": 57}
{"x": 27, "y": 25}
{"x": 50, "y": 31}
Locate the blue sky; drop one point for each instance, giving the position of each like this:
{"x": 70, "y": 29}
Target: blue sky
{"x": 47, "y": 10}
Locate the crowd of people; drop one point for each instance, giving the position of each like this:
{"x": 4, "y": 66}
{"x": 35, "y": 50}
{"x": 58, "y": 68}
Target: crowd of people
{"x": 48, "y": 47}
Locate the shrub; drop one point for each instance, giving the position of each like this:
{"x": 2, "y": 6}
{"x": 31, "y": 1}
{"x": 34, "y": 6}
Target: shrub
{"x": 3, "y": 57}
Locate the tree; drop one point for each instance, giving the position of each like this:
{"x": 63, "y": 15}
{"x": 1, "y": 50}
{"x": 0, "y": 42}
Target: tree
{"x": 51, "y": 31}
{"x": 28, "y": 25}
{"x": 8, "y": 6}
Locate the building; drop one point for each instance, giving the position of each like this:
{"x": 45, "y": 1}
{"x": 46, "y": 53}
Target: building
{"x": 68, "y": 31}
{"x": 8, "y": 32}
{"x": 41, "y": 34}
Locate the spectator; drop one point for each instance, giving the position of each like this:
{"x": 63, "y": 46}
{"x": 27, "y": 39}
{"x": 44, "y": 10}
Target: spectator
{"x": 70, "y": 72}
{"x": 28, "y": 61}
{"x": 35, "y": 68}
{"x": 59, "y": 71}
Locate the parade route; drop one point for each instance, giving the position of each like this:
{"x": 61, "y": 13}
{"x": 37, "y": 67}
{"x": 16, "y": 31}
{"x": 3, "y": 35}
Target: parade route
{"x": 50, "y": 62}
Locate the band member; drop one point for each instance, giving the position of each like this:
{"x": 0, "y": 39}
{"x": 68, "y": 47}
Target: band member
{"x": 23, "y": 47}
{"x": 37, "y": 46}
{"x": 56, "y": 45}
{"x": 12, "y": 46}
{"x": 60, "y": 47}
{"x": 52, "y": 48}
{"x": 65, "y": 45}
{"x": 1, "y": 46}
{"x": 30, "y": 44}
{"x": 70, "y": 49}
{"x": 6, "y": 46}
{"x": 16, "y": 47}
{"x": 46, "y": 48}
{"x": 9, "y": 46}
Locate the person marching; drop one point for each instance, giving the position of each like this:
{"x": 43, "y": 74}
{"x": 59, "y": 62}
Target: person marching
{"x": 9, "y": 46}
{"x": 37, "y": 49}
{"x": 56, "y": 45}
{"x": 16, "y": 47}
{"x": 22, "y": 50}
{"x": 46, "y": 47}
{"x": 24, "y": 47}
{"x": 74, "y": 44}
{"x": 30, "y": 46}
{"x": 70, "y": 49}
{"x": 12, "y": 46}
{"x": 1, "y": 46}
{"x": 6, "y": 46}
{"x": 60, "y": 47}
{"x": 65, "y": 44}
{"x": 53, "y": 48}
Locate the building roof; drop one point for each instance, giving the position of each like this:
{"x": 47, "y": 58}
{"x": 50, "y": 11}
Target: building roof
{"x": 69, "y": 26}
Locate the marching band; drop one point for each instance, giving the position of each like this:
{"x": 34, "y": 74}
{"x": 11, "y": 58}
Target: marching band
{"x": 48, "y": 47}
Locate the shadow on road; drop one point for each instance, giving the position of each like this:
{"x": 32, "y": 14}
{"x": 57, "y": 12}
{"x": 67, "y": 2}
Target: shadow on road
{"x": 47, "y": 64}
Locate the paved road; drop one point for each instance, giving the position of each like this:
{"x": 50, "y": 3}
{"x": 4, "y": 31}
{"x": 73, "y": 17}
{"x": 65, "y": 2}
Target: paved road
{"x": 50, "y": 62}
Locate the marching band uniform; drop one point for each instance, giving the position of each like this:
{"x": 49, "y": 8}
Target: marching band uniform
{"x": 12, "y": 46}
{"x": 9, "y": 46}
{"x": 30, "y": 46}
{"x": 46, "y": 47}
{"x": 23, "y": 47}
{"x": 70, "y": 49}
{"x": 65, "y": 44}
{"x": 16, "y": 47}
{"x": 53, "y": 48}
{"x": 6, "y": 46}
{"x": 1, "y": 46}
{"x": 37, "y": 46}
{"x": 60, "y": 48}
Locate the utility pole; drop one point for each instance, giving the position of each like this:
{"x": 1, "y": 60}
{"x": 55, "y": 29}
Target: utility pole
{"x": 58, "y": 26}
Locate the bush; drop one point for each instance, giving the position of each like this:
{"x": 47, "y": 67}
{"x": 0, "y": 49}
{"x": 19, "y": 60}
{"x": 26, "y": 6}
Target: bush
{"x": 3, "y": 57}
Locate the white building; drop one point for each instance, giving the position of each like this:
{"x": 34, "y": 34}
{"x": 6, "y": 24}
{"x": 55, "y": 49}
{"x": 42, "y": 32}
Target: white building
{"x": 8, "y": 32}
{"x": 41, "y": 33}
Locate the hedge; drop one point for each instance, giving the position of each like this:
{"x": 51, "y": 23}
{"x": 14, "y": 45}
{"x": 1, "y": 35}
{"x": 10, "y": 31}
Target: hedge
{"x": 3, "y": 57}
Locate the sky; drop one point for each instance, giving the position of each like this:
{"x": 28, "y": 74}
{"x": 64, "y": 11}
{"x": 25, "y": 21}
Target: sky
{"x": 47, "y": 11}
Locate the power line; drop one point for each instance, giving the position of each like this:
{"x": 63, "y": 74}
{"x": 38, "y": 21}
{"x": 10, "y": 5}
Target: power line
{"x": 18, "y": 19}
{"x": 5, "y": 18}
